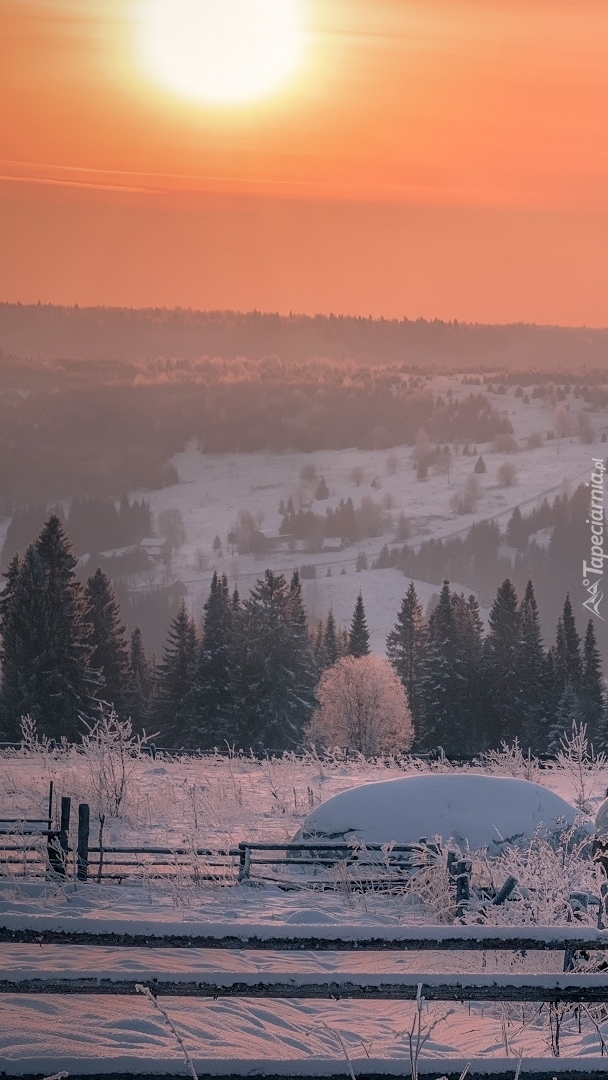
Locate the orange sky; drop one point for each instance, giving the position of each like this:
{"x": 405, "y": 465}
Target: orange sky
{"x": 439, "y": 158}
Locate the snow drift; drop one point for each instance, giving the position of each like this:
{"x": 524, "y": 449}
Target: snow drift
{"x": 472, "y": 810}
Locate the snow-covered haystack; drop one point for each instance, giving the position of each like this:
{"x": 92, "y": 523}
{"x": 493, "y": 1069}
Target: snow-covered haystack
{"x": 472, "y": 810}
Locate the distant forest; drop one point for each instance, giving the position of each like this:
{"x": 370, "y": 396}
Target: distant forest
{"x": 123, "y": 333}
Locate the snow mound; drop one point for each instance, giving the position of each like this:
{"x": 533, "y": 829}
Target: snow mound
{"x": 472, "y": 810}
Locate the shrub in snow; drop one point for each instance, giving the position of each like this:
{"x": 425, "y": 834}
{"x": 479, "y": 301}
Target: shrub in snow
{"x": 510, "y": 760}
{"x": 111, "y": 751}
{"x": 507, "y": 474}
{"x": 465, "y": 501}
{"x": 580, "y": 762}
{"x": 362, "y": 705}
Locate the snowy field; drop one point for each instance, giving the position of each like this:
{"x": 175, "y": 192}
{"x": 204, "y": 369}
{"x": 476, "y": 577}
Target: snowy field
{"x": 214, "y": 487}
{"x": 216, "y": 801}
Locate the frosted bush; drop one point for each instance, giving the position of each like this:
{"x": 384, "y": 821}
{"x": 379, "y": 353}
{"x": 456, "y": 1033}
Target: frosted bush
{"x": 581, "y": 764}
{"x": 111, "y": 751}
{"x": 510, "y": 760}
{"x": 547, "y": 877}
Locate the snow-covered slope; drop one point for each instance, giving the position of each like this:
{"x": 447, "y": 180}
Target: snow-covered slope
{"x": 474, "y": 811}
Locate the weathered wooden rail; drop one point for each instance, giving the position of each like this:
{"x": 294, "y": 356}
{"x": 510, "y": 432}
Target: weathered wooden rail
{"x": 563, "y": 988}
{"x": 365, "y": 866}
{"x": 305, "y": 987}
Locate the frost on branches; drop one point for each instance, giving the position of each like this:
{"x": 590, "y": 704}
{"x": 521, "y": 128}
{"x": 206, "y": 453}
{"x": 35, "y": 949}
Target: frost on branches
{"x": 362, "y": 706}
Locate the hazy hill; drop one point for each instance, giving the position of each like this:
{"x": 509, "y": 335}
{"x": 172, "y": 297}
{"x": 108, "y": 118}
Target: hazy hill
{"x": 120, "y": 333}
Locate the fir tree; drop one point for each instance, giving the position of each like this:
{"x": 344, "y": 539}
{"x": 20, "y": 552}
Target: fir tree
{"x": 502, "y": 650}
{"x": 591, "y": 689}
{"x": 316, "y": 644}
{"x": 140, "y": 682}
{"x": 45, "y": 653}
{"x": 568, "y": 713}
{"x": 331, "y": 649}
{"x": 211, "y": 701}
{"x": 442, "y": 723}
{"x": 358, "y": 638}
{"x": 532, "y": 676}
{"x": 109, "y": 651}
{"x": 406, "y": 648}
{"x": 275, "y": 689}
{"x": 176, "y": 676}
{"x": 568, "y": 662}
{"x": 298, "y": 641}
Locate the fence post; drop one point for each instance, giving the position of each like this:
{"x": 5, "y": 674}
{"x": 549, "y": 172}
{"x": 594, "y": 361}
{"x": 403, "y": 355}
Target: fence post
{"x": 505, "y": 891}
{"x": 244, "y": 862}
{"x": 463, "y": 883}
{"x": 64, "y": 831}
{"x": 83, "y": 842}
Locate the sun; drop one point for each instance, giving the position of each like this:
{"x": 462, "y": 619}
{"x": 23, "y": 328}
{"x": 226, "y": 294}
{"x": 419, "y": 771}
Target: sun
{"x": 221, "y": 52}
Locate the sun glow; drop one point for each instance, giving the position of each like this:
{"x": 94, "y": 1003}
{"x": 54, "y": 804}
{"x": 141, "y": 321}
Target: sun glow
{"x": 222, "y": 52}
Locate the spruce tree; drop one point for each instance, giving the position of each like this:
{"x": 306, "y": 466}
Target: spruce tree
{"x": 176, "y": 677}
{"x": 501, "y": 653}
{"x": 442, "y": 722}
{"x": 139, "y": 685}
{"x": 568, "y": 713}
{"x": 10, "y": 667}
{"x": 533, "y": 687}
{"x": 303, "y": 663}
{"x": 275, "y": 685}
{"x": 211, "y": 701}
{"x": 568, "y": 662}
{"x": 331, "y": 649}
{"x": 109, "y": 651}
{"x": 358, "y": 638}
{"x": 406, "y": 647}
{"x": 591, "y": 688}
{"x": 45, "y": 653}
{"x": 316, "y": 644}
{"x": 472, "y": 696}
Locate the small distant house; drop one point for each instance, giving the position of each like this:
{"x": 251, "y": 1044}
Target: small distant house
{"x": 157, "y": 549}
{"x": 278, "y": 541}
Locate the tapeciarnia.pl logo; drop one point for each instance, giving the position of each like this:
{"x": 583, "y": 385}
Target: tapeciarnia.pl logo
{"x": 593, "y": 571}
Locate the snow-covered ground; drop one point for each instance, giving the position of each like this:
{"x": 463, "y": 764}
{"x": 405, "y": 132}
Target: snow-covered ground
{"x": 214, "y": 487}
{"x": 216, "y": 800}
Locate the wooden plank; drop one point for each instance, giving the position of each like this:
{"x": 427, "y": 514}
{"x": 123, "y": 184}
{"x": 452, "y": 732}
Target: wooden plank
{"x": 315, "y": 1069}
{"x": 406, "y": 939}
{"x": 304, "y": 987}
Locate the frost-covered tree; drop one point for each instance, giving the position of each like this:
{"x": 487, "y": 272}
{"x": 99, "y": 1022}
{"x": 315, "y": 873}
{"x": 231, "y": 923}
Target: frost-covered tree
{"x": 406, "y": 647}
{"x": 109, "y": 650}
{"x": 358, "y": 639}
{"x": 362, "y": 705}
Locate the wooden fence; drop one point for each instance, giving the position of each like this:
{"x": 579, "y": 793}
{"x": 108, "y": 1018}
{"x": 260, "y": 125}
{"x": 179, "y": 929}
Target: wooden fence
{"x": 33, "y": 847}
{"x": 563, "y": 988}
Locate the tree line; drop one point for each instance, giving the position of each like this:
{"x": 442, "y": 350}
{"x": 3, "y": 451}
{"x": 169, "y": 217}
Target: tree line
{"x": 469, "y": 691}
{"x": 250, "y": 675}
